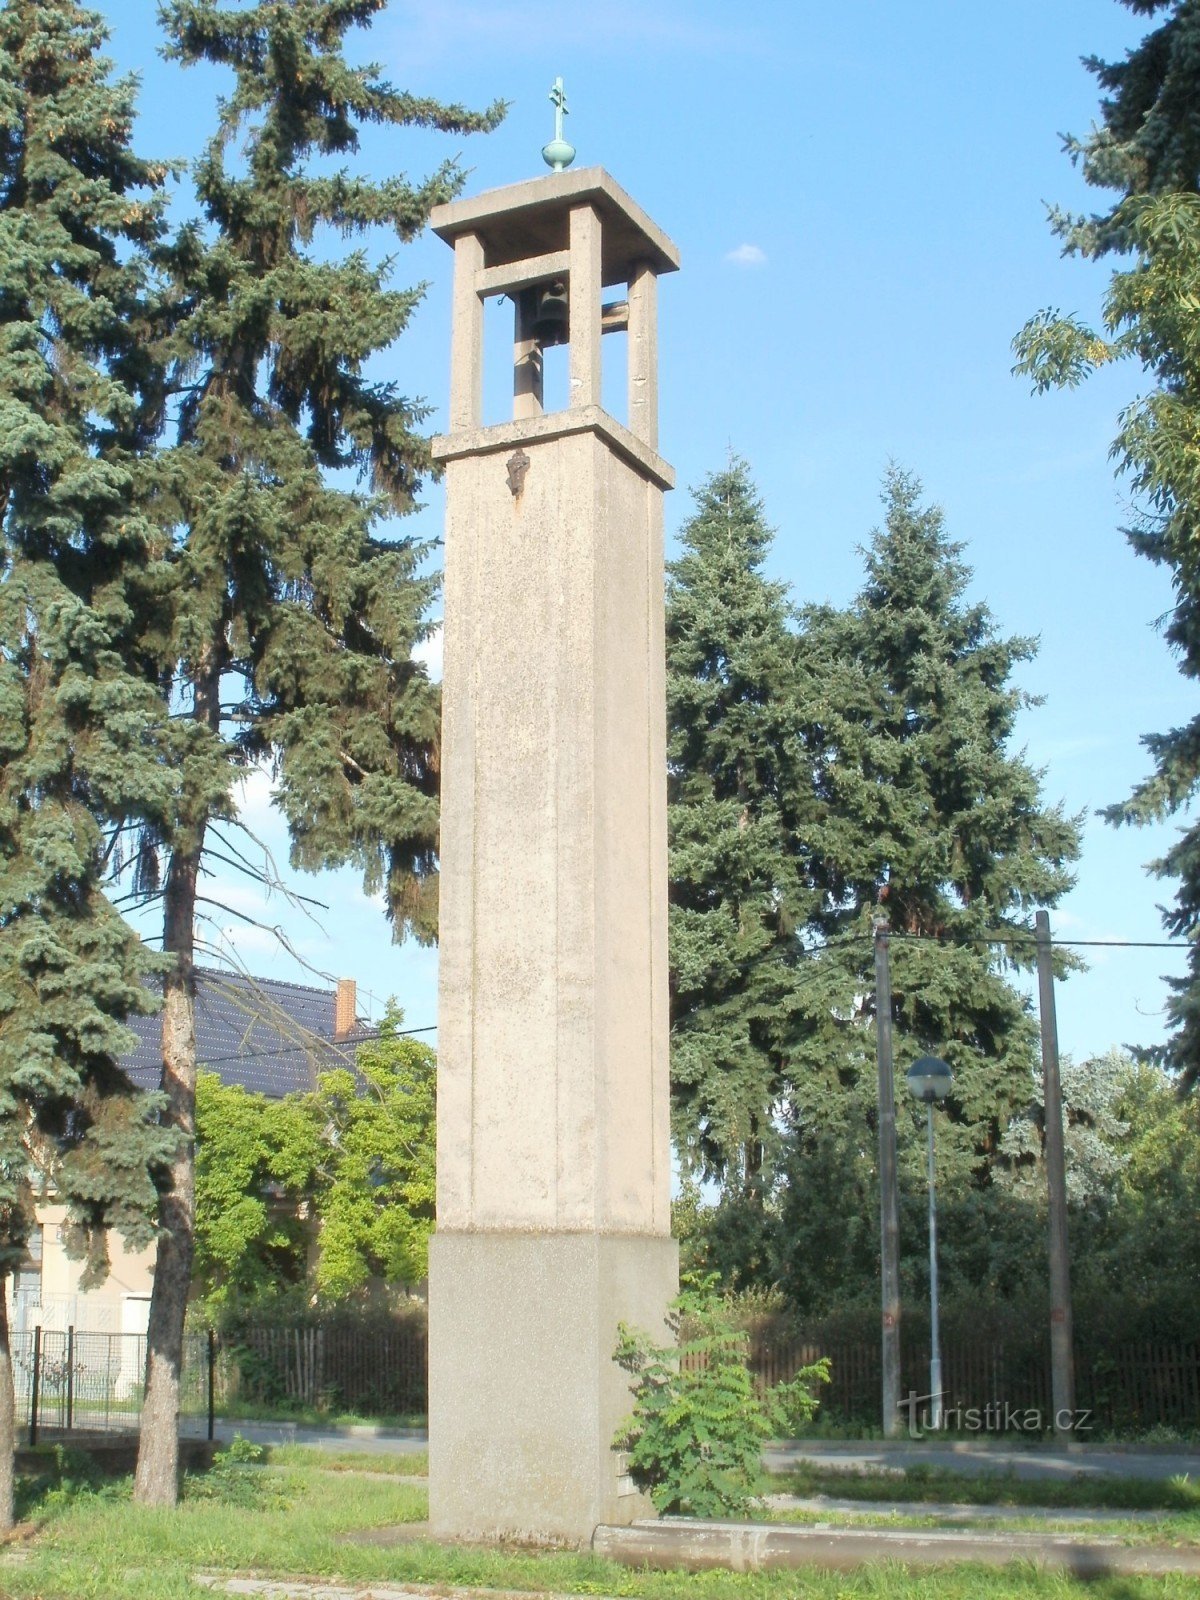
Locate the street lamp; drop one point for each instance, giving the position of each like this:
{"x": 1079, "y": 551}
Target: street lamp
{"x": 930, "y": 1080}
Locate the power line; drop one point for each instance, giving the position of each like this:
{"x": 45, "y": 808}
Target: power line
{"x": 1011, "y": 938}
{"x": 1029, "y": 938}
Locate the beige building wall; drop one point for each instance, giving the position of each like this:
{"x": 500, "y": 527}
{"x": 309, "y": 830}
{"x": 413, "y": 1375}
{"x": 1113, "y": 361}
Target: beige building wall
{"x": 118, "y": 1305}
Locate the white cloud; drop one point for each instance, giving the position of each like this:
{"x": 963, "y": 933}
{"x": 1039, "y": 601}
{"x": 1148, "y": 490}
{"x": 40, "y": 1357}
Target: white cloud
{"x": 747, "y": 255}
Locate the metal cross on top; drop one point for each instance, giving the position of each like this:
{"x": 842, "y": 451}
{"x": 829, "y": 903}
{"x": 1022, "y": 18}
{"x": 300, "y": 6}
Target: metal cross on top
{"x": 558, "y": 153}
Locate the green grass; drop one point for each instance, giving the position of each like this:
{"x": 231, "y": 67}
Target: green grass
{"x": 414, "y": 1465}
{"x": 1080, "y": 1492}
{"x": 290, "y": 1518}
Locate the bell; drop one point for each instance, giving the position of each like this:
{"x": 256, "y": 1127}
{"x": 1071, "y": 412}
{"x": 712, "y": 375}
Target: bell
{"x": 551, "y": 318}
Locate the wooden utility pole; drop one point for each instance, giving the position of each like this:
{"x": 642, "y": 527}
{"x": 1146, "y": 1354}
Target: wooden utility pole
{"x": 1062, "y": 1353}
{"x": 889, "y": 1203}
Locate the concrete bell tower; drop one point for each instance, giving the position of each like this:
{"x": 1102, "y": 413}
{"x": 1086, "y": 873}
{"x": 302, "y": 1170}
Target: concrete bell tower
{"x": 553, "y": 1179}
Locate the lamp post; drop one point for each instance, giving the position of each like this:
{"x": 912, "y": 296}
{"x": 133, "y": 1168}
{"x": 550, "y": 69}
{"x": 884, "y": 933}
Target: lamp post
{"x": 930, "y": 1080}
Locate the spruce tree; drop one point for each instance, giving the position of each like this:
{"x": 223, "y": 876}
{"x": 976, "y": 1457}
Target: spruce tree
{"x": 286, "y": 630}
{"x": 739, "y": 800}
{"x": 927, "y": 815}
{"x": 77, "y": 401}
{"x": 1146, "y": 150}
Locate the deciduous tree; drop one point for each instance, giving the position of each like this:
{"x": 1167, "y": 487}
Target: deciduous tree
{"x": 256, "y": 1166}
{"x": 376, "y": 1187}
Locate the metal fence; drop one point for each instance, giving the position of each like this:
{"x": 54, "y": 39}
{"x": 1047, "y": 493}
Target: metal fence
{"x": 95, "y": 1382}
{"x": 374, "y": 1371}
{"x": 1129, "y": 1386}
{"x": 76, "y": 1381}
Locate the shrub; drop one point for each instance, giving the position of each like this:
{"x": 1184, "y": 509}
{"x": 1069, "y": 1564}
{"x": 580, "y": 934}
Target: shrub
{"x": 699, "y": 1423}
{"x": 238, "y": 1477}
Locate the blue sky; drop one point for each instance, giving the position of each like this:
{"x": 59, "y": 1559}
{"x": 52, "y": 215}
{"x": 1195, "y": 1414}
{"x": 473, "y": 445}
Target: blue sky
{"x": 859, "y": 195}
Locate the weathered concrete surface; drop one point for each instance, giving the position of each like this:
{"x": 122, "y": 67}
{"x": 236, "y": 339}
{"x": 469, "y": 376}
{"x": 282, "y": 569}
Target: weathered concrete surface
{"x": 533, "y": 218}
{"x": 522, "y": 1382}
{"x": 946, "y": 1510}
{"x": 553, "y": 1180}
{"x": 681, "y": 1542}
{"x": 553, "y": 1100}
{"x": 318, "y": 1589}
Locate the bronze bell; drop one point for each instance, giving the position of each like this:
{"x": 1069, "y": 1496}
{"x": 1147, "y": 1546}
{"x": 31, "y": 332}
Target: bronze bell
{"x": 551, "y": 316}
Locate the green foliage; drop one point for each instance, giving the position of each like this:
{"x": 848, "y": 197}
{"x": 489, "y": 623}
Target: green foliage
{"x": 77, "y": 726}
{"x": 344, "y": 1176}
{"x": 1146, "y": 150}
{"x": 376, "y": 1199}
{"x": 66, "y": 1476}
{"x": 281, "y": 629}
{"x": 1092, "y": 1093}
{"x": 927, "y": 816}
{"x": 1136, "y": 1256}
{"x": 738, "y": 805}
{"x": 292, "y": 610}
{"x": 256, "y": 1164}
{"x": 698, "y": 1426}
{"x": 824, "y": 768}
{"x": 239, "y": 1477}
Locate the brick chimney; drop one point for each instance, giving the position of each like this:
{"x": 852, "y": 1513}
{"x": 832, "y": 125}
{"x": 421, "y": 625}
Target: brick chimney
{"x": 345, "y": 1008}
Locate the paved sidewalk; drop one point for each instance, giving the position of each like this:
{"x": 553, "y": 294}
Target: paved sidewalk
{"x": 362, "y": 1437}
{"x": 1033, "y": 1461}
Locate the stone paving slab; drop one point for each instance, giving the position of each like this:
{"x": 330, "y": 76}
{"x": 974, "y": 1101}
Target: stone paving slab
{"x": 680, "y": 1542}
{"x": 323, "y": 1589}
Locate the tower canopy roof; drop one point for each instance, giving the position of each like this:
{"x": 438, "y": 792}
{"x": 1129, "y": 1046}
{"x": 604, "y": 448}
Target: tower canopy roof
{"x": 533, "y": 219}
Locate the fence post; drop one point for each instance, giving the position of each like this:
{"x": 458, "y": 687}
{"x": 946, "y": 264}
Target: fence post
{"x": 212, "y": 1368}
{"x": 70, "y": 1377}
{"x": 33, "y": 1396}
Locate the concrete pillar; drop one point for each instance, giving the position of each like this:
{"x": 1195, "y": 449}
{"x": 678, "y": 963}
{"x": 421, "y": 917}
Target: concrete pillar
{"x": 585, "y": 366}
{"x": 643, "y": 354}
{"x": 553, "y": 1197}
{"x": 466, "y": 337}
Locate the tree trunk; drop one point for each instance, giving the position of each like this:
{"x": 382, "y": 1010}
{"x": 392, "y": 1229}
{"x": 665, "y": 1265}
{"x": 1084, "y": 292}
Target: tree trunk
{"x": 8, "y": 1415}
{"x": 156, "y": 1482}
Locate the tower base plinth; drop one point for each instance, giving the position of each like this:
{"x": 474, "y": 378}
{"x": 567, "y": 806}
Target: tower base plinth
{"x": 524, "y": 1395}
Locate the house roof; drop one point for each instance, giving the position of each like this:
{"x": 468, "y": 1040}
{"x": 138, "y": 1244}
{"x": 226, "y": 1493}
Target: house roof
{"x": 268, "y": 1036}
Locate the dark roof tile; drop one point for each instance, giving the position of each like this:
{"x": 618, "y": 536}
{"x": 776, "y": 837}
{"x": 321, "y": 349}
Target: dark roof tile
{"x": 267, "y": 1035}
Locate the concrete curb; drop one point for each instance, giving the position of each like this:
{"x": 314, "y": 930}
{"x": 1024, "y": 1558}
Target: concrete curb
{"x": 680, "y": 1542}
{"x": 948, "y": 1510}
{"x": 366, "y": 1589}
